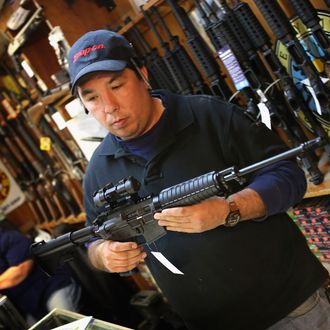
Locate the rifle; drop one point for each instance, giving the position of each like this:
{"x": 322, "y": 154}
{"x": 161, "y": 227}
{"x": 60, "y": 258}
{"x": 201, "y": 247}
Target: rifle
{"x": 128, "y": 217}
{"x": 228, "y": 30}
{"x": 210, "y": 20}
{"x": 284, "y": 32}
{"x": 39, "y": 117}
{"x": 201, "y": 52}
{"x": 24, "y": 174}
{"x": 262, "y": 42}
{"x": 9, "y": 162}
{"x": 180, "y": 80}
{"x": 184, "y": 59}
{"x": 44, "y": 176}
{"x": 154, "y": 63}
{"x": 308, "y": 14}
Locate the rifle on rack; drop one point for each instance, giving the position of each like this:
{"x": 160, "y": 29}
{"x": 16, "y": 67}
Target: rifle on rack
{"x": 210, "y": 20}
{"x": 284, "y": 32}
{"x": 39, "y": 117}
{"x": 182, "y": 84}
{"x": 188, "y": 66}
{"x": 160, "y": 77}
{"x": 228, "y": 30}
{"x": 47, "y": 179}
{"x": 128, "y": 217}
{"x": 61, "y": 186}
{"x": 24, "y": 174}
{"x": 65, "y": 166}
{"x": 33, "y": 201}
{"x": 262, "y": 42}
{"x": 42, "y": 185}
{"x": 308, "y": 14}
{"x": 201, "y": 52}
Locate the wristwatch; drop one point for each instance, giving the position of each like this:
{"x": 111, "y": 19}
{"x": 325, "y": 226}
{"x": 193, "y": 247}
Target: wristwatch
{"x": 234, "y": 215}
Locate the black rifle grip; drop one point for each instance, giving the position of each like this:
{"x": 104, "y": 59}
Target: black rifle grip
{"x": 306, "y": 12}
{"x": 251, "y": 25}
{"x": 189, "y": 192}
{"x": 275, "y": 17}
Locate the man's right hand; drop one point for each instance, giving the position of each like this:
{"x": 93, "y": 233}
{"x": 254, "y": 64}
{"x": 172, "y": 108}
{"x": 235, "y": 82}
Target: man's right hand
{"x": 116, "y": 257}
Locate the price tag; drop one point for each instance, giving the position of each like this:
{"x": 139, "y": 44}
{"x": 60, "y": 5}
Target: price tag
{"x": 160, "y": 257}
{"x": 45, "y": 143}
{"x": 265, "y": 115}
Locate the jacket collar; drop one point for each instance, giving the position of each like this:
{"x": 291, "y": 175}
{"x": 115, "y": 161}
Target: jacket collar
{"x": 179, "y": 117}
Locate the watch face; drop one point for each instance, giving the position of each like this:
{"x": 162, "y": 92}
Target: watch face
{"x": 234, "y": 215}
{"x": 233, "y": 219}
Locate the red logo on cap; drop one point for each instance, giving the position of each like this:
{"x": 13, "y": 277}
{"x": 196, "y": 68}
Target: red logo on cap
{"x": 86, "y": 51}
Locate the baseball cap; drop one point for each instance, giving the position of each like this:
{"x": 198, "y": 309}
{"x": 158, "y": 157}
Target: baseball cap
{"x": 100, "y": 50}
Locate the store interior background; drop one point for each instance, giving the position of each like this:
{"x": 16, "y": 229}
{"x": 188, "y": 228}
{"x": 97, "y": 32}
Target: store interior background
{"x": 47, "y": 93}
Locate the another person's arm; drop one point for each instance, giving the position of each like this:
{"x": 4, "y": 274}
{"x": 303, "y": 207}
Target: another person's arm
{"x": 15, "y": 275}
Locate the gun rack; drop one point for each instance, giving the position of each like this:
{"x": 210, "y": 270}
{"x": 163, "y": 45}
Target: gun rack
{"x": 42, "y": 90}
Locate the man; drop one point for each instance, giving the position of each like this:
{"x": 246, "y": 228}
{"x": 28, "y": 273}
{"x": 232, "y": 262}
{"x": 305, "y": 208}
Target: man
{"x": 32, "y": 292}
{"x": 242, "y": 262}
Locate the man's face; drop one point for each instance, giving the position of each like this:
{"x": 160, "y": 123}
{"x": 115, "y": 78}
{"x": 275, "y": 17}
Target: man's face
{"x": 119, "y": 101}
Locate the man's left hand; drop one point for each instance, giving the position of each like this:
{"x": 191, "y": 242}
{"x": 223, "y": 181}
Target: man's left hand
{"x": 196, "y": 218}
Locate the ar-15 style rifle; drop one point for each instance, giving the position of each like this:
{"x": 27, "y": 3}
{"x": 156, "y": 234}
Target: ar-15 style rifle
{"x": 188, "y": 66}
{"x": 161, "y": 77}
{"x": 262, "y": 42}
{"x": 228, "y": 30}
{"x": 209, "y": 22}
{"x": 201, "y": 52}
{"x": 308, "y": 14}
{"x": 182, "y": 84}
{"x": 127, "y": 217}
{"x": 280, "y": 26}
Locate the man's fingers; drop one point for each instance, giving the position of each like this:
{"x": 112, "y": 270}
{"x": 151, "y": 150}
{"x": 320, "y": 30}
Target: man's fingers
{"x": 129, "y": 261}
{"x": 174, "y": 212}
{"x": 122, "y": 246}
{"x": 181, "y": 229}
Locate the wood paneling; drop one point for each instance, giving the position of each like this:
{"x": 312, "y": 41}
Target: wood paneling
{"x": 84, "y": 15}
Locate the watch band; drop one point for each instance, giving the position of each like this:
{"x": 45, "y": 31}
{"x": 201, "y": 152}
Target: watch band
{"x": 234, "y": 215}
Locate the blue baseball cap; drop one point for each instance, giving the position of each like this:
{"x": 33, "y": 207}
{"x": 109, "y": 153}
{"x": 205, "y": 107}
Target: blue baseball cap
{"x": 100, "y": 50}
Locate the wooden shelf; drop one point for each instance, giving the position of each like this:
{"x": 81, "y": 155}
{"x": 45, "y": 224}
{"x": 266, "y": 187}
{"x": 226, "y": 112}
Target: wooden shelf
{"x": 79, "y": 219}
{"x": 139, "y": 17}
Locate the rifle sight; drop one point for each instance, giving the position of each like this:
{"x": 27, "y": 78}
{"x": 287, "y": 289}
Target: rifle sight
{"x": 113, "y": 195}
